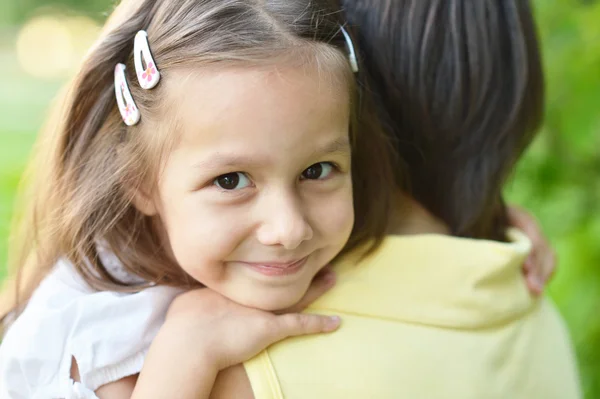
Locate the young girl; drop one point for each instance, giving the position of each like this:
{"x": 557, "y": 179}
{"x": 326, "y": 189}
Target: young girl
{"x": 206, "y": 143}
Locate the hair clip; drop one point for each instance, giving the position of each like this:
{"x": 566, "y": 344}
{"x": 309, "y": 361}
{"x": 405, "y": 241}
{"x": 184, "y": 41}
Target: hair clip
{"x": 127, "y": 107}
{"x": 145, "y": 67}
{"x": 351, "y": 51}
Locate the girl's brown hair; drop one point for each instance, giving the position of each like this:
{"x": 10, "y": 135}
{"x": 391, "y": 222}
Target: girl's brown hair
{"x": 459, "y": 87}
{"x": 87, "y": 169}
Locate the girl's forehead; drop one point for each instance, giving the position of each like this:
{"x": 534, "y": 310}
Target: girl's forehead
{"x": 204, "y": 83}
{"x": 256, "y": 111}
{"x": 245, "y": 98}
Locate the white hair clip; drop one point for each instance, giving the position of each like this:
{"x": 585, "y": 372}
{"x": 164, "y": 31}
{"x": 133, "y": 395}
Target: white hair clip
{"x": 127, "y": 107}
{"x": 145, "y": 67}
{"x": 351, "y": 50}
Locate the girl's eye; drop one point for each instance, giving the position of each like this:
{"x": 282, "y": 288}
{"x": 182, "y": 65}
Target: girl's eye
{"x": 318, "y": 171}
{"x": 232, "y": 181}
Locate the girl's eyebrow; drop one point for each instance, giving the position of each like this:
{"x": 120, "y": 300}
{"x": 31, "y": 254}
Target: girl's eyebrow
{"x": 219, "y": 160}
{"x": 224, "y": 160}
{"x": 339, "y": 146}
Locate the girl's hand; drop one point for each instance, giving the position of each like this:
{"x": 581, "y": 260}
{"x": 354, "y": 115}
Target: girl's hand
{"x": 205, "y": 333}
{"x": 539, "y": 267}
{"x": 232, "y": 333}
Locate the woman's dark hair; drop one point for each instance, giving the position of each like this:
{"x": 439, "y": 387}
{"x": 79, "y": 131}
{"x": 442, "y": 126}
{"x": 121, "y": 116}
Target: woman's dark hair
{"x": 459, "y": 86}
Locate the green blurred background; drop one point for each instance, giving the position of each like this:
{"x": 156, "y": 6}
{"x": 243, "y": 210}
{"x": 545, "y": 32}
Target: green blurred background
{"x": 41, "y": 42}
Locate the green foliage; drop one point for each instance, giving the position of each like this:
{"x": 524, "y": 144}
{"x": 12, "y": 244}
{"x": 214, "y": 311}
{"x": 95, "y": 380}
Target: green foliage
{"x": 559, "y": 178}
{"x": 18, "y": 11}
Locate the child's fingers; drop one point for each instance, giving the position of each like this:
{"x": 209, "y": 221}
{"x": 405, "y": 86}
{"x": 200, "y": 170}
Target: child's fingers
{"x": 539, "y": 268}
{"x": 531, "y": 272}
{"x": 525, "y": 222}
{"x": 535, "y": 284}
{"x": 321, "y": 284}
{"x": 541, "y": 263}
{"x": 294, "y": 324}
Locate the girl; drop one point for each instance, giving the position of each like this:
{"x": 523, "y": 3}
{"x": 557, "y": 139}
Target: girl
{"x": 206, "y": 143}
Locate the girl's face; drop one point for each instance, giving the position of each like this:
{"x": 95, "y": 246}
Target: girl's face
{"x": 256, "y": 196}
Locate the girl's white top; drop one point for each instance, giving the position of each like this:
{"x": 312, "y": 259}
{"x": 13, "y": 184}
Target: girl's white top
{"x": 107, "y": 333}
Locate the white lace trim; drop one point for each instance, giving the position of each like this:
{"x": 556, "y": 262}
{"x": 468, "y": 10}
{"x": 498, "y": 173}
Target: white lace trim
{"x": 130, "y": 366}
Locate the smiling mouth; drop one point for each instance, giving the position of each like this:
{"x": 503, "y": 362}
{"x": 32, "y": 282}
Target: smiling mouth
{"x": 277, "y": 269}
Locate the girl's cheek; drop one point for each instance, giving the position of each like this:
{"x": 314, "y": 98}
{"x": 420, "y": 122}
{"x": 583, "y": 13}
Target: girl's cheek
{"x": 208, "y": 236}
{"x": 336, "y": 215}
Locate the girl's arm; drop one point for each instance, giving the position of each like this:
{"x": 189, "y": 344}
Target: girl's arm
{"x": 541, "y": 263}
{"x": 232, "y": 383}
{"x": 205, "y": 333}
{"x": 120, "y": 389}
{"x": 184, "y": 358}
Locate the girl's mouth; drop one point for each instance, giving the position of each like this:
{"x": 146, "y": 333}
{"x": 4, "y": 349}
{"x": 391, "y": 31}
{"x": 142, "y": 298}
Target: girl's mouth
{"x": 277, "y": 268}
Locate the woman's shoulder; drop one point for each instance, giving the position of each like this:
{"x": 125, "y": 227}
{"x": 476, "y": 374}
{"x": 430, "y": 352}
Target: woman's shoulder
{"x": 107, "y": 333}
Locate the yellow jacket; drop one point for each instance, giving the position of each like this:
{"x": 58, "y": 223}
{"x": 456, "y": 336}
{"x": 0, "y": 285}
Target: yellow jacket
{"x": 428, "y": 316}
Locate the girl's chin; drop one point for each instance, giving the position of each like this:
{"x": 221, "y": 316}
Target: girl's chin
{"x": 272, "y": 301}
